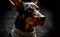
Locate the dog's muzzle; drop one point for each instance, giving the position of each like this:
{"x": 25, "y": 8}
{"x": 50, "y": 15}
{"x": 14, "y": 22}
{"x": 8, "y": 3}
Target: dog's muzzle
{"x": 39, "y": 18}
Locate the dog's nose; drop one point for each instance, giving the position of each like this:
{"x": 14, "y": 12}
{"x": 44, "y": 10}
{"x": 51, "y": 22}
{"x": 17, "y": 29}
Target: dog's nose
{"x": 42, "y": 18}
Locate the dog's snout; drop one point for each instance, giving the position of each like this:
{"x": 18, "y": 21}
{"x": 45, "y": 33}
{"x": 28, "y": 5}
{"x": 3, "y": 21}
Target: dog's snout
{"x": 39, "y": 16}
{"x": 42, "y": 17}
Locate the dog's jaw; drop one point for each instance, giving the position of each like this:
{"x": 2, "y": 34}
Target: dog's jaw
{"x": 29, "y": 24}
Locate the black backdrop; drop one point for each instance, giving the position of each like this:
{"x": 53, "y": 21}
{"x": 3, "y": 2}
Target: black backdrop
{"x": 5, "y": 6}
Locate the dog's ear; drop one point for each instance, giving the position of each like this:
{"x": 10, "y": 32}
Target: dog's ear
{"x": 35, "y": 1}
{"x": 15, "y": 3}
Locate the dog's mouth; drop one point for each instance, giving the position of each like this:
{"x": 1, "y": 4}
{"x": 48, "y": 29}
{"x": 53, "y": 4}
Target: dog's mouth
{"x": 38, "y": 21}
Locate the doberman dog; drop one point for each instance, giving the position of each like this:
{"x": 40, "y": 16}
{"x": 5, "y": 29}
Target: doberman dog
{"x": 29, "y": 17}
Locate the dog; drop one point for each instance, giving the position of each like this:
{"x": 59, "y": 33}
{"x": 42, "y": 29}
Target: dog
{"x": 29, "y": 17}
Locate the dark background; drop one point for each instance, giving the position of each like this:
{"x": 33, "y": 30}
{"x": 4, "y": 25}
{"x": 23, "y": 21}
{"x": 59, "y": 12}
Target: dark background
{"x": 8, "y": 15}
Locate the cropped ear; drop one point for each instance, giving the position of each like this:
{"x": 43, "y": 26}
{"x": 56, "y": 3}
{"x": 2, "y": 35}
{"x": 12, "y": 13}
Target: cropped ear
{"x": 35, "y": 1}
{"x": 15, "y": 3}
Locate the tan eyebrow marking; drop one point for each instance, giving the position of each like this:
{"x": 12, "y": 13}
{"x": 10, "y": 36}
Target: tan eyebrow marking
{"x": 37, "y": 6}
{"x": 31, "y": 7}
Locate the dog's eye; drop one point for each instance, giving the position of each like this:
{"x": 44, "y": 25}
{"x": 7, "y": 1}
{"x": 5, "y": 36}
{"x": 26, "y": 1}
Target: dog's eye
{"x": 37, "y": 9}
{"x": 26, "y": 5}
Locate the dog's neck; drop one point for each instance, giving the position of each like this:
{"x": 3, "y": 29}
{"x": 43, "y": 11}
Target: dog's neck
{"x": 26, "y": 28}
{"x": 22, "y": 25}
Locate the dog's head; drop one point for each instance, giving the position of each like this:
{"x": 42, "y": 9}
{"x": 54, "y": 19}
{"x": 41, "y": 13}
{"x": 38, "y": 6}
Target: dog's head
{"x": 29, "y": 12}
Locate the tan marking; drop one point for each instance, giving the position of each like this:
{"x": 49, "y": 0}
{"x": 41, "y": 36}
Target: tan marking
{"x": 31, "y": 7}
{"x": 19, "y": 0}
{"x": 29, "y": 21}
{"x": 26, "y": 26}
{"x": 37, "y": 6}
